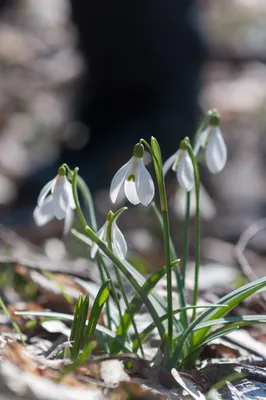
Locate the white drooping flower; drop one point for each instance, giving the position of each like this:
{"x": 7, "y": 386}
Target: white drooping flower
{"x": 55, "y": 200}
{"x": 118, "y": 242}
{"x": 212, "y": 141}
{"x": 135, "y": 179}
{"x": 181, "y": 163}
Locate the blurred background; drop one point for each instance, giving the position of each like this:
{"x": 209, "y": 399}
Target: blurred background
{"x": 81, "y": 83}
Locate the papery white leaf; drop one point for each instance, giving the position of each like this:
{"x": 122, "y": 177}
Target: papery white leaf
{"x": 144, "y": 184}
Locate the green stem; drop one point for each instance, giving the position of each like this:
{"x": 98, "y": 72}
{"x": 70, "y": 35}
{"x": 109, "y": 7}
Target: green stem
{"x": 179, "y": 283}
{"x": 121, "y": 286}
{"x": 197, "y": 258}
{"x": 108, "y": 252}
{"x": 186, "y": 240}
{"x": 157, "y": 160}
{"x": 103, "y": 269}
{"x": 87, "y": 195}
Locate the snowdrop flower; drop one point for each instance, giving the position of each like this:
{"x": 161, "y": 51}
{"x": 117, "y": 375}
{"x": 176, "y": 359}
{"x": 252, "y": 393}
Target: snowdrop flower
{"x": 135, "y": 179}
{"x": 211, "y": 140}
{"x": 119, "y": 245}
{"x": 181, "y": 163}
{"x": 59, "y": 203}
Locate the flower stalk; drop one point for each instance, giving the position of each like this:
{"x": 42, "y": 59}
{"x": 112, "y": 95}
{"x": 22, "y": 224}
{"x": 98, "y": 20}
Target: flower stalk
{"x": 157, "y": 160}
{"x": 111, "y": 220}
{"x": 186, "y": 143}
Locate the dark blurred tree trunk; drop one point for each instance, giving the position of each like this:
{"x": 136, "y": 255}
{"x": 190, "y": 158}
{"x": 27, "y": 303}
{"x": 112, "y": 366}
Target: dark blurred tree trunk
{"x": 144, "y": 59}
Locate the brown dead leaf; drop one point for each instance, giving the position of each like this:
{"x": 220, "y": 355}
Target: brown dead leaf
{"x": 188, "y": 385}
{"x": 132, "y": 390}
{"x": 113, "y": 372}
{"x": 221, "y": 349}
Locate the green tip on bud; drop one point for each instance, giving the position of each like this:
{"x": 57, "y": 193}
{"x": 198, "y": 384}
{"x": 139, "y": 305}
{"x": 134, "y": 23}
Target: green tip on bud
{"x": 184, "y": 144}
{"x": 110, "y": 216}
{"x": 138, "y": 150}
{"x": 214, "y": 118}
{"x": 62, "y": 171}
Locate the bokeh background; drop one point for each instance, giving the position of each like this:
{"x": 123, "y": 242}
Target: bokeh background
{"x": 65, "y": 96}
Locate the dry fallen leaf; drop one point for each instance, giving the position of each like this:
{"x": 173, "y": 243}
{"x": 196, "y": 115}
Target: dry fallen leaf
{"x": 188, "y": 385}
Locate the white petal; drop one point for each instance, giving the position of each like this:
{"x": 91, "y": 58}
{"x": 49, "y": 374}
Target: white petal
{"x": 118, "y": 242}
{"x": 131, "y": 193}
{"x": 70, "y": 195}
{"x": 68, "y": 221}
{"x": 216, "y": 152}
{"x": 144, "y": 184}
{"x": 201, "y": 140}
{"x": 168, "y": 164}
{"x": 45, "y": 190}
{"x": 61, "y": 200}
{"x": 44, "y": 213}
{"x": 118, "y": 180}
{"x": 185, "y": 172}
{"x": 101, "y": 235}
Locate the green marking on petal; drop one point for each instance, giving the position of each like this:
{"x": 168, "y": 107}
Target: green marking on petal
{"x": 131, "y": 178}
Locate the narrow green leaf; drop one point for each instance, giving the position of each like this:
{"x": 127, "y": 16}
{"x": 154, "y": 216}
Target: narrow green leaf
{"x": 96, "y": 310}
{"x": 147, "y": 331}
{"x": 80, "y": 318}
{"x": 232, "y": 300}
{"x": 74, "y": 326}
{"x": 190, "y": 360}
{"x": 136, "y": 304}
{"x": 238, "y": 320}
{"x": 55, "y": 316}
{"x": 15, "y": 325}
{"x": 232, "y": 324}
{"x": 181, "y": 294}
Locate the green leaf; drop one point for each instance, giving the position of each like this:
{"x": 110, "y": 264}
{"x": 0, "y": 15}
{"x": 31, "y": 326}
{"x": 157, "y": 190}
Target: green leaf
{"x": 231, "y": 300}
{"x": 78, "y": 325}
{"x": 136, "y": 304}
{"x": 190, "y": 360}
{"x": 96, "y": 310}
{"x": 232, "y": 324}
{"x": 55, "y": 316}
{"x": 15, "y": 325}
{"x": 88, "y": 202}
{"x": 238, "y": 320}
{"x": 147, "y": 331}
{"x": 157, "y": 156}
{"x": 179, "y": 282}
{"x": 81, "y": 237}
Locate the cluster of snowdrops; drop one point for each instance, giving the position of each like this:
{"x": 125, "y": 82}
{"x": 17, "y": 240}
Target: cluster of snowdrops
{"x": 56, "y": 198}
{"x": 185, "y": 331}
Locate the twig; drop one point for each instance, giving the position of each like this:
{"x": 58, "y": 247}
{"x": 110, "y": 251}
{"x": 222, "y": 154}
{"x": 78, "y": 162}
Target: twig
{"x": 241, "y": 245}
